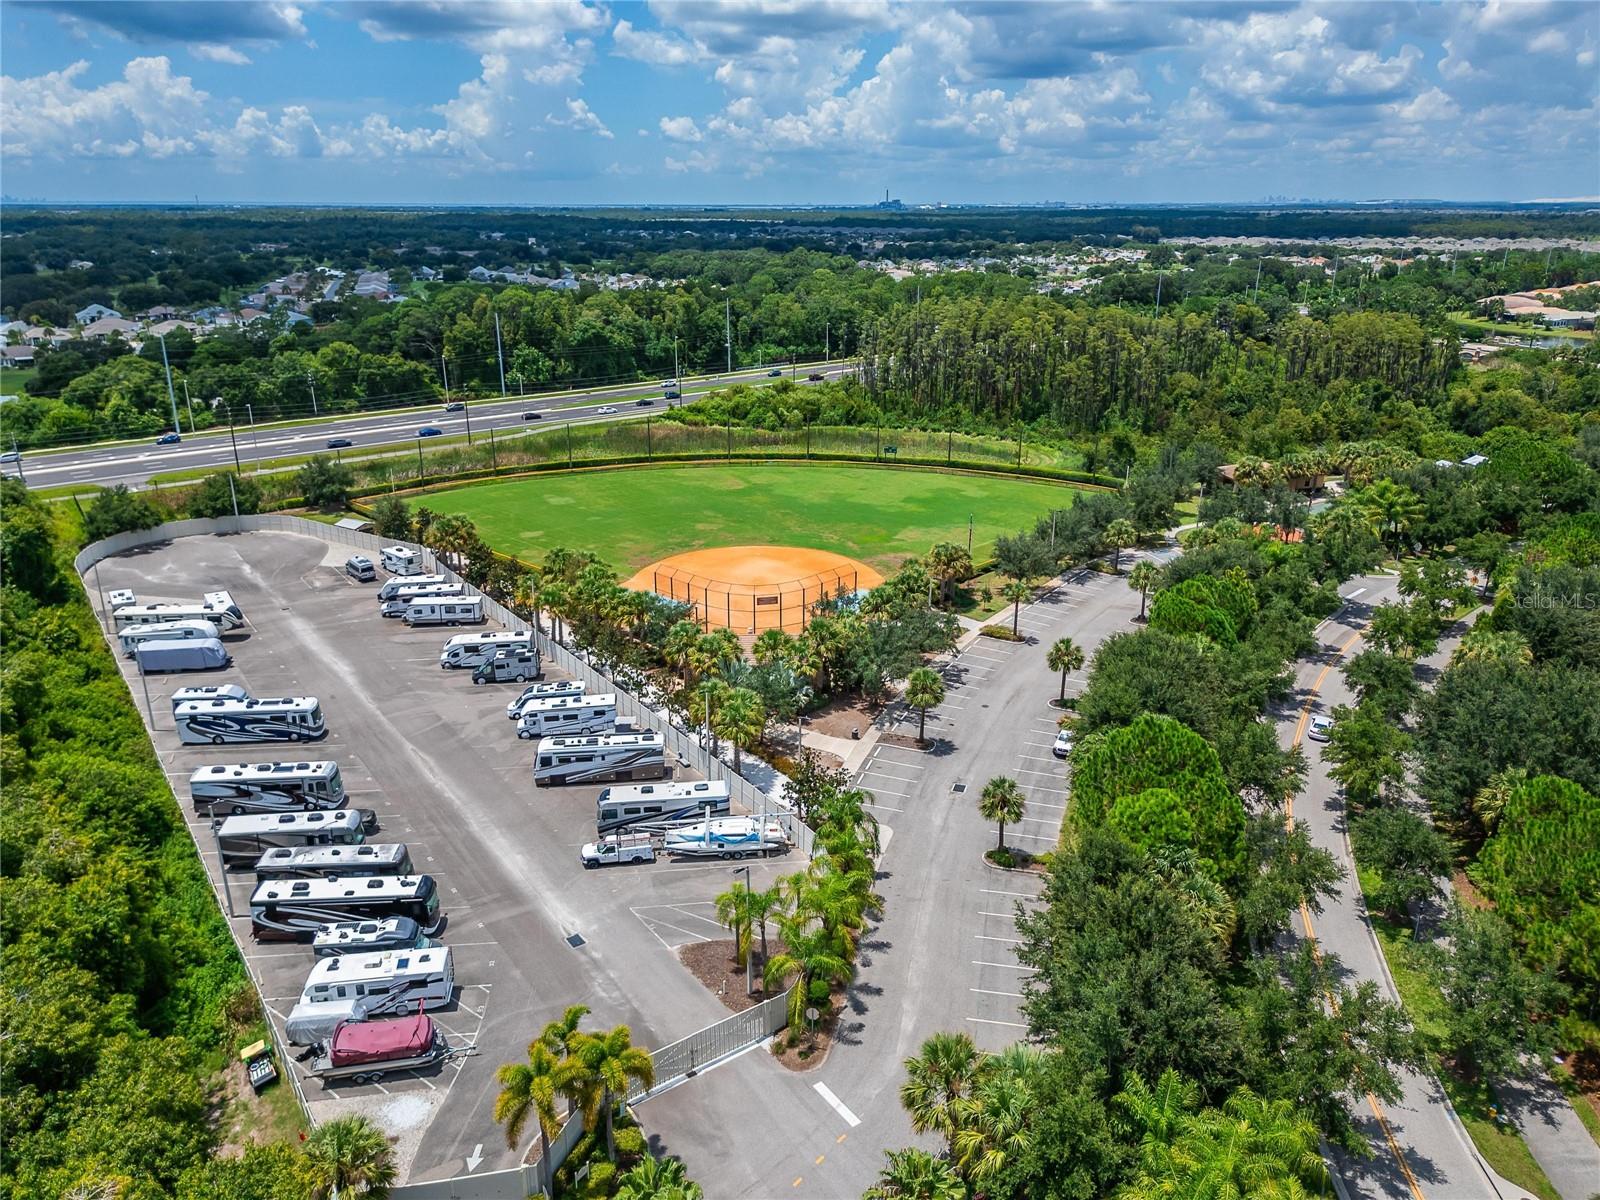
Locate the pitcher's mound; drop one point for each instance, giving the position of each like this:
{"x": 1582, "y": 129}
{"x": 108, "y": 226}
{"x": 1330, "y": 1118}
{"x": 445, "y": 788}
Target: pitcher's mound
{"x": 750, "y": 589}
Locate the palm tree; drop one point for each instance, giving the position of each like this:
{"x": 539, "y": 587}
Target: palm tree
{"x": 1118, "y": 534}
{"x": 678, "y": 648}
{"x": 914, "y": 1174}
{"x": 658, "y": 1179}
{"x": 1393, "y": 507}
{"x": 1251, "y": 1147}
{"x": 1488, "y": 645}
{"x": 741, "y": 719}
{"x": 1142, "y": 576}
{"x": 1001, "y": 800}
{"x": 837, "y": 900}
{"x": 531, "y": 1089}
{"x": 1016, "y": 591}
{"x": 939, "y": 1080}
{"x": 350, "y": 1156}
{"x": 924, "y": 690}
{"x": 451, "y": 535}
{"x": 733, "y": 910}
{"x": 606, "y": 1065}
{"x": 773, "y": 646}
{"x": 762, "y": 907}
{"x": 1155, "y": 1113}
{"x": 1490, "y": 801}
{"x": 995, "y": 1125}
{"x": 1065, "y": 656}
{"x": 811, "y": 958}
{"x": 718, "y": 648}
{"x": 557, "y": 596}
{"x": 948, "y": 563}
{"x": 558, "y": 1035}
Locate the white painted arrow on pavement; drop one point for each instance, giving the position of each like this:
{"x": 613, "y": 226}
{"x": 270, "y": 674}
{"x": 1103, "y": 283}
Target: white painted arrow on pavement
{"x": 475, "y": 1157}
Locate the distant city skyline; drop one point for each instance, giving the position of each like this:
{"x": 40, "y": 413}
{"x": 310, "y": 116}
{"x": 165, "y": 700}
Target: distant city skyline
{"x": 775, "y": 102}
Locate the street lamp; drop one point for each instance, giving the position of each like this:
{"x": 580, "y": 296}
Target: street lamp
{"x": 171, "y": 395}
{"x": 255, "y": 441}
{"x": 750, "y": 951}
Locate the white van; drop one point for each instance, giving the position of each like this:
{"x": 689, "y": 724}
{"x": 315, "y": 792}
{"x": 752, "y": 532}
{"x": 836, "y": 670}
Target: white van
{"x": 564, "y": 715}
{"x": 446, "y": 610}
{"x": 411, "y": 595}
{"x": 392, "y": 587}
{"x": 401, "y": 560}
{"x": 358, "y": 986}
{"x": 165, "y": 631}
{"x": 470, "y": 649}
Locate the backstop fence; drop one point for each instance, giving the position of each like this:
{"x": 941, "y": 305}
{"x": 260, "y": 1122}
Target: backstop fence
{"x": 753, "y": 608}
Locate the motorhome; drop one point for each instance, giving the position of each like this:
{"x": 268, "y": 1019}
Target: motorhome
{"x": 393, "y": 587}
{"x": 515, "y": 665}
{"x": 191, "y": 654}
{"x": 727, "y": 837}
{"x": 242, "y": 840}
{"x": 215, "y": 691}
{"x": 366, "y": 1051}
{"x": 620, "y": 756}
{"x": 355, "y": 987}
{"x": 330, "y": 862}
{"x": 566, "y": 715}
{"x": 279, "y": 719}
{"x": 401, "y": 560}
{"x": 544, "y": 691}
{"x": 121, "y": 598}
{"x": 267, "y": 787}
{"x": 224, "y": 616}
{"x": 358, "y": 937}
{"x": 165, "y": 631}
{"x": 296, "y": 910}
{"x": 444, "y": 610}
{"x": 407, "y": 596}
{"x": 471, "y": 649}
{"x": 648, "y": 806}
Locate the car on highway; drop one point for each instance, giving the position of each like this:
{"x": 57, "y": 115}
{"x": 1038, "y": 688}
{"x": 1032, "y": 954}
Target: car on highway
{"x": 168, "y": 439}
{"x": 1320, "y": 728}
{"x": 455, "y": 406}
{"x": 605, "y": 410}
{"x": 815, "y": 377}
{"x": 339, "y": 443}
{"x": 669, "y": 384}
{"x": 532, "y": 416}
{"x": 429, "y": 431}
{"x": 775, "y": 372}
{"x": 673, "y": 394}
{"x": 11, "y": 456}
{"x": 1062, "y": 746}
{"x": 645, "y": 401}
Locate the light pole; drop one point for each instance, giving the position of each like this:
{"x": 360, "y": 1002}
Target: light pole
{"x": 188, "y": 404}
{"x": 311, "y": 382}
{"x": 750, "y": 951}
{"x": 676, "y": 378}
{"x": 254, "y": 440}
{"x": 232, "y": 441}
{"x": 171, "y": 395}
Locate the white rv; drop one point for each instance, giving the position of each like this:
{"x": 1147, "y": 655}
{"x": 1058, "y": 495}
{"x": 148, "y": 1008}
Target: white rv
{"x": 543, "y": 691}
{"x": 650, "y": 806}
{"x": 217, "y": 691}
{"x": 470, "y": 649}
{"x": 445, "y": 610}
{"x": 407, "y": 596}
{"x": 242, "y": 840}
{"x": 266, "y": 787}
{"x": 354, "y": 987}
{"x": 393, "y": 587}
{"x": 567, "y": 715}
{"x": 224, "y": 616}
{"x": 280, "y": 719}
{"x": 296, "y": 910}
{"x": 330, "y": 862}
{"x": 563, "y": 760}
{"x": 401, "y": 560}
{"x": 165, "y": 631}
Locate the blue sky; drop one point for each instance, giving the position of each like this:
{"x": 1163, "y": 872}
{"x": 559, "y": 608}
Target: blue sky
{"x": 779, "y": 101}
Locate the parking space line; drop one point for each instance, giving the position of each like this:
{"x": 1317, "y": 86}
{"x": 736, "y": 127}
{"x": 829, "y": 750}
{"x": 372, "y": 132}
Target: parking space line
{"x": 998, "y": 892}
{"x": 886, "y": 775}
{"x": 1031, "y": 771}
{"x": 888, "y": 791}
{"x": 837, "y": 1105}
{"x": 1032, "y": 837}
{"x": 1046, "y": 804}
{"x": 1007, "y": 966}
{"x": 984, "y": 937}
{"x": 1007, "y": 916}
{"x": 992, "y": 992}
{"x": 1012, "y": 1024}
{"x": 883, "y": 807}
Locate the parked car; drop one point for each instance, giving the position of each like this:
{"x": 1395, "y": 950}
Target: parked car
{"x": 168, "y": 439}
{"x": 1062, "y": 746}
{"x": 339, "y": 443}
{"x": 775, "y": 372}
{"x": 532, "y": 416}
{"x": 643, "y": 402}
{"x": 605, "y": 410}
{"x": 815, "y": 377}
{"x": 455, "y": 406}
{"x": 1321, "y": 727}
{"x": 429, "y": 431}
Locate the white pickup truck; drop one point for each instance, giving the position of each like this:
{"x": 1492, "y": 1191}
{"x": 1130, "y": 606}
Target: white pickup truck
{"x": 619, "y": 848}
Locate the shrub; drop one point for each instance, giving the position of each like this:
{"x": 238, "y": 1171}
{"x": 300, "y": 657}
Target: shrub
{"x": 1002, "y": 633}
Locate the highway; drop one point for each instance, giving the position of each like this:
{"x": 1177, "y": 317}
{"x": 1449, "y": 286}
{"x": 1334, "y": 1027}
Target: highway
{"x": 134, "y": 465}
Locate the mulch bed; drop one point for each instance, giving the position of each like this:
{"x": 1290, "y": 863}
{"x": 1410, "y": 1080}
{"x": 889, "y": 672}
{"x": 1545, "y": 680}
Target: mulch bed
{"x": 1021, "y": 860}
{"x": 840, "y": 717}
{"x": 902, "y": 740}
{"x": 811, "y": 1046}
{"x": 713, "y": 964}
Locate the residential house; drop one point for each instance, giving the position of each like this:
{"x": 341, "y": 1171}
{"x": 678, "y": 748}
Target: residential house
{"x": 168, "y": 328}
{"x": 163, "y": 312}
{"x": 425, "y": 274}
{"x": 297, "y": 318}
{"x": 16, "y": 356}
{"x": 480, "y": 274}
{"x": 249, "y": 313}
{"x": 1474, "y": 460}
{"x": 93, "y": 313}
{"x": 105, "y": 327}
{"x": 79, "y": 264}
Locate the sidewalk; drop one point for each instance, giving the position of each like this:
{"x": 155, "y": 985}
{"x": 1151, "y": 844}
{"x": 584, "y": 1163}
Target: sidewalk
{"x": 1555, "y": 1136}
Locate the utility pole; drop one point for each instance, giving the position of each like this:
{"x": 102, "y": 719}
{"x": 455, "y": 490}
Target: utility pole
{"x": 255, "y": 441}
{"x": 311, "y": 382}
{"x": 188, "y": 404}
{"x": 444, "y": 373}
{"x": 233, "y": 495}
{"x": 232, "y": 441}
{"x": 500, "y": 353}
{"x": 171, "y": 395}
{"x": 969, "y": 535}
{"x": 676, "y": 378}
{"x": 23, "y": 479}
{"x": 827, "y": 341}
{"x": 727, "y": 331}
{"x": 1159, "y": 278}
{"x": 1257, "y": 298}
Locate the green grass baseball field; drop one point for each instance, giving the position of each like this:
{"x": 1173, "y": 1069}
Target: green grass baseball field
{"x": 633, "y": 517}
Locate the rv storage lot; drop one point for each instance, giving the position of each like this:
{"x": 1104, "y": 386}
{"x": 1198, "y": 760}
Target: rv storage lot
{"x": 437, "y": 759}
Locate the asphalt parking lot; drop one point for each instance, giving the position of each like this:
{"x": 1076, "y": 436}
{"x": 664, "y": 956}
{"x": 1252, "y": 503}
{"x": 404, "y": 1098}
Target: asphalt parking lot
{"x": 531, "y": 932}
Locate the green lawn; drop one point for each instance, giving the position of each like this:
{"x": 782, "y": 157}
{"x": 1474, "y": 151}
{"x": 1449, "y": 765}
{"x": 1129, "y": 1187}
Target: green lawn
{"x": 633, "y": 517}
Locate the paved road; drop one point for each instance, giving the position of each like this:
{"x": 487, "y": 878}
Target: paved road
{"x": 133, "y": 465}
{"x": 1419, "y": 1150}
{"x": 943, "y": 956}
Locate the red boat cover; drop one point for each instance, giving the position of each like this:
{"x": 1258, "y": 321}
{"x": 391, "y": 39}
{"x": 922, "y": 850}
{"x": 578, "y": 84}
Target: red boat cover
{"x": 379, "y": 1041}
